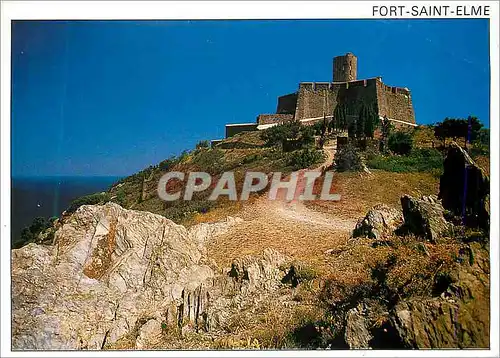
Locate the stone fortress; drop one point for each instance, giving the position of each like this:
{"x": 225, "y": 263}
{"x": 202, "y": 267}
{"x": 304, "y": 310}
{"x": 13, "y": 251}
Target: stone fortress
{"x": 314, "y": 101}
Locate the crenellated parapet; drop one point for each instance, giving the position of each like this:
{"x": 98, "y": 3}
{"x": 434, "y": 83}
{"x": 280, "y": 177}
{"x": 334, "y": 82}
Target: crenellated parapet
{"x": 315, "y": 100}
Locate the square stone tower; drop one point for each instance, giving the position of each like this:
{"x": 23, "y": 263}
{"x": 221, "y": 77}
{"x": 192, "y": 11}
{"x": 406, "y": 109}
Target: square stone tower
{"x": 345, "y": 68}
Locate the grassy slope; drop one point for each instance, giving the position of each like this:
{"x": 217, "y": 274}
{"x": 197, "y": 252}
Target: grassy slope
{"x": 348, "y": 266}
{"x": 139, "y": 191}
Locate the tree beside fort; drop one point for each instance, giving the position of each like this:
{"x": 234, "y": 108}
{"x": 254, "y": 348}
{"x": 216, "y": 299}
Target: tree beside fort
{"x": 468, "y": 129}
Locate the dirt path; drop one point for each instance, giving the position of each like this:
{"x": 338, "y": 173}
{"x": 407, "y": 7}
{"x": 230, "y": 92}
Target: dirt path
{"x": 287, "y": 226}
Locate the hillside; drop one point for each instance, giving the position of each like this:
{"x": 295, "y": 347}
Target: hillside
{"x": 139, "y": 191}
{"x": 368, "y": 271}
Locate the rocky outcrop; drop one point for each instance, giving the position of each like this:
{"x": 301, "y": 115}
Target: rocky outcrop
{"x": 455, "y": 315}
{"x": 116, "y": 274}
{"x": 379, "y": 220}
{"x": 249, "y": 281}
{"x": 357, "y": 334}
{"x": 458, "y": 317}
{"x": 424, "y": 217}
{"x": 464, "y": 188}
{"x": 149, "y": 334}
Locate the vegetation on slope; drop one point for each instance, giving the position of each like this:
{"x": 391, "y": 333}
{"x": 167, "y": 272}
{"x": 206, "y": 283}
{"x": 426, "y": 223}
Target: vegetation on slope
{"x": 343, "y": 274}
{"x": 139, "y": 191}
{"x": 418, "y": 160}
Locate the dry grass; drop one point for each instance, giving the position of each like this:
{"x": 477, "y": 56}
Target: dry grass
{"x": 412, "y": 273}
{"x": 269, "y": 326}
{"x": 484, "y": 162}
{"x": 251, "y": 138}
{"x": 361, "y": 191}
{"x": 264, "y": 227}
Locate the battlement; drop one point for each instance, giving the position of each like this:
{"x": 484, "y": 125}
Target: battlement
{"x": 396, "y": 90}
{"x": 315, "y": 86}
{"x": 316, "y": 100}
{"x": 322, "y": 86}
{"x": 395, "y": 102}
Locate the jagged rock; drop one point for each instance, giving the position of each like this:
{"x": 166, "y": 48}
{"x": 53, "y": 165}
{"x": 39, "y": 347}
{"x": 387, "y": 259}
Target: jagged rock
{"x": 462, "y": 176}
{"x": 117, "y": 275}
{"x": 149, "y": 334}
{"x": 437, "y": 323}
{"x": 46, "y": 237}
{"x": 379, "y": 220}
{"x": 201, "y": 232}
{"x": 357, "y": 335}
{"x": 109, "y": 269}
{"x": 458, "y": 317}
{"x": 424, "y": 217}
{"x": 253, "y": 272}
{"x": 250, "y": 280}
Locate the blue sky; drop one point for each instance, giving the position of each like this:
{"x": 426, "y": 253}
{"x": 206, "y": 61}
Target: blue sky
{"x": 112, "y": 97}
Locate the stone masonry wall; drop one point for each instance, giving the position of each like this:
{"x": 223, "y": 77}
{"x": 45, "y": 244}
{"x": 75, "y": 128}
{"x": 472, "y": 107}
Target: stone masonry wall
{"x": 345, "y": 68}
{"x": 316, "y": 99}
{"x": 273, "y": 118}
{"x": 353, "y": 94}
{"x": 395, "y": 102}
{"x": 287, "y": 104}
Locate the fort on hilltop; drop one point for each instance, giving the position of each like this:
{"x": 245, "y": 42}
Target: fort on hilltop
{"x": 314, "y": 101}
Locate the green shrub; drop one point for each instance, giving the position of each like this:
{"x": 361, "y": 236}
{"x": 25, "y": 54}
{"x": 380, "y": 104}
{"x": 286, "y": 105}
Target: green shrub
{"x": 203, "y": 144}
{"x": 121, "y": 198}
{"x": 319, "y": 128}
{"x": 419, "y": 160}
{"x": 210, "y": 160}
{"x": 304, "y": 158}
{"x": 305, "y": 273}
{"x": 299, "y": 273}
{"x": 400, "y": 143}
{"x": 181, "y": 209}
{"x": 91, "y": 199}
{"x": 26, "y": 237}
{"x": 306, "y": 136}
{"x": 30, "y": 233}
{"x": 167, "y": 164}
{"x": 481, "y": 145}
{"x": 251, "y": 158}
{"x": 183, "y": 156}
{"x": 280, "y": 133}
{"x": 291, "y": 132}
{"x": 347, "y": 158}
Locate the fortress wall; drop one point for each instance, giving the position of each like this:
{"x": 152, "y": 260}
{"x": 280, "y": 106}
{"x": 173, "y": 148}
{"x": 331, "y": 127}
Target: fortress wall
{"x": 358, "y": 92}
{"x": 287, "y": 103}
{"x": 232, "y": 129}
{"x": 395, "y": 102}
{"x": 273, "y": 118}
{"x": 317, "y": 98}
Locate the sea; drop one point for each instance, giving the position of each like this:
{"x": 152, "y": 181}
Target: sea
{"x": 33, "y": 197}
